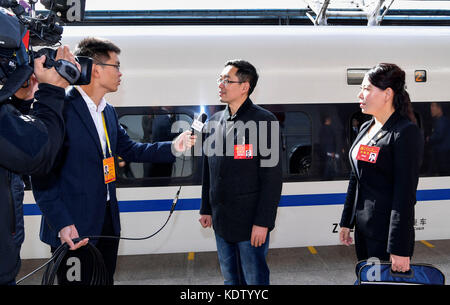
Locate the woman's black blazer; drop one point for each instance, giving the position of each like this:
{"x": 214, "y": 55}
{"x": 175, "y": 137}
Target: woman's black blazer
{"x": 385, "y": 191}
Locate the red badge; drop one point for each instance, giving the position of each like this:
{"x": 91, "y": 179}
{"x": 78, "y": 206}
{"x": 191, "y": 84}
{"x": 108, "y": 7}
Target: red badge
{"x": 244, "y": 151}
{"x": 368, "y": 153}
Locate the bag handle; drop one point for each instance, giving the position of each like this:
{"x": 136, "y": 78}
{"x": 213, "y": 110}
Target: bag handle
{"x": 406, "y": 275}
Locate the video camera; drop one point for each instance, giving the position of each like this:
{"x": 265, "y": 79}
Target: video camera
{"x": 23, "y": 30}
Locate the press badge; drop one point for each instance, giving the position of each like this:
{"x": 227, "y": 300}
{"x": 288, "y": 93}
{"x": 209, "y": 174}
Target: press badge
{"x": 243, "y": 151}
{"x": 109, "y": 170}
{"x": 368, "y": 153}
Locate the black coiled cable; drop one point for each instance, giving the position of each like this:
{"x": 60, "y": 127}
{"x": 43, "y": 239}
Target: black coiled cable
{"x": 99, "y": 272}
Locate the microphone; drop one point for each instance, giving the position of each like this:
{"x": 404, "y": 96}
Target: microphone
{"x": 198, "y": 123}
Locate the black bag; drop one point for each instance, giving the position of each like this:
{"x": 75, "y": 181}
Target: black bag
{"x": 370, "y": 272}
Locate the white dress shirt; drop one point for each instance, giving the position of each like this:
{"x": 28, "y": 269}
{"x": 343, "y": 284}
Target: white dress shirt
{"x": 96, "y": 114}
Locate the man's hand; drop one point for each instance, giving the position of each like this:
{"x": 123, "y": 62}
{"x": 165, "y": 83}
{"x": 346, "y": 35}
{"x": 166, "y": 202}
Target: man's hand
{"x": 27, "y": 93}
{"x": 259, "y": 235}
{"x": 68, "y": 233}
{"x": 184, "y": 141}
{"x": 400, "y": 263}
{"x": 51, "y": 76}
{"x": 205, "y": 221}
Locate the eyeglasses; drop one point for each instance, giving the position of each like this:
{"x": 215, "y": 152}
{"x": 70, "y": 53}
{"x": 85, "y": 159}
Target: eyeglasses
{"x": 226, "y": 81}
{"x": 111, "y": 65}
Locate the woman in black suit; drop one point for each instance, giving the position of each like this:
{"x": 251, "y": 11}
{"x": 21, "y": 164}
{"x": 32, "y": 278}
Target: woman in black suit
{"x": 385, "y": 159}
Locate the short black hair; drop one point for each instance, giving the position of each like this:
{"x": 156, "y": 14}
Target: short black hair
{"x": 96, "y": 48}
{"x": 246, "y": 72}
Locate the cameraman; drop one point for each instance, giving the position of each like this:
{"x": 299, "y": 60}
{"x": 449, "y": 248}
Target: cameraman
{"x": 28, "y": 145}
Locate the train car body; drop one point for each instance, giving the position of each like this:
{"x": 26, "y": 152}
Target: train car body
{"x": 306, "y": 74}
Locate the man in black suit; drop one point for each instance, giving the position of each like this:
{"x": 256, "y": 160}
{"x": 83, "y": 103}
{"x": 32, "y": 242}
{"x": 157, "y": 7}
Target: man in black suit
{"x": 241, "y": 179}
{"x": 78, "y": 197}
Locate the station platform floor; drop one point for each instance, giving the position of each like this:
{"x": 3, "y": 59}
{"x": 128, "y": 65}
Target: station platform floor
{"x": 322, "y": 265}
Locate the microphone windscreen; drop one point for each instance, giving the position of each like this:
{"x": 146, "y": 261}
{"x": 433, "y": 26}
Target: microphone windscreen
{"x": 199, "y": 122}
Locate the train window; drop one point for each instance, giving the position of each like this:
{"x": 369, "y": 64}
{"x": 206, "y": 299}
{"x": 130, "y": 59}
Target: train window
{"x": 330, "y": 143}
{"x": 435, "y": 121}
{"x": 356, "y": 76}
{"x": 155, "y": 128}
{"x": 309, "y": 134}
{"x": 356, "y": 121}
{"x": 296, "y": 142}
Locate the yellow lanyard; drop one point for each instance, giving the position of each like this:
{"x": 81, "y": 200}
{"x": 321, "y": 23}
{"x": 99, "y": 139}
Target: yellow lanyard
{"x": 107, "y": 137}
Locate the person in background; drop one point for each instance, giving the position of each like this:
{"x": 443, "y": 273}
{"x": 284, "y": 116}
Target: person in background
{"x": 440, "y": 141}
{"x": 329, "y": 151}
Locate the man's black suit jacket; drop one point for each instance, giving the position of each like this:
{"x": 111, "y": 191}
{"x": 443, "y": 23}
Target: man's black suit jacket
{"x": 385, "y": 192}
{"x": 240, "y": 193}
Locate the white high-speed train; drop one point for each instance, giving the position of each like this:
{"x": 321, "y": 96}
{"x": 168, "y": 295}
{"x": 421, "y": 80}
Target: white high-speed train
{"x": 306, "y": 74}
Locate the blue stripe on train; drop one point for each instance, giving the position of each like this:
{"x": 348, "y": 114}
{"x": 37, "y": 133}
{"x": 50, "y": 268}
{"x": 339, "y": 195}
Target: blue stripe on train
{"x": 286, "y": 201}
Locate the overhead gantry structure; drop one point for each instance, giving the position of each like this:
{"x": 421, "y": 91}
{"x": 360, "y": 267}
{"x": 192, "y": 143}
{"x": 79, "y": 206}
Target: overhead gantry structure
{"x": 373, "y": 10}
